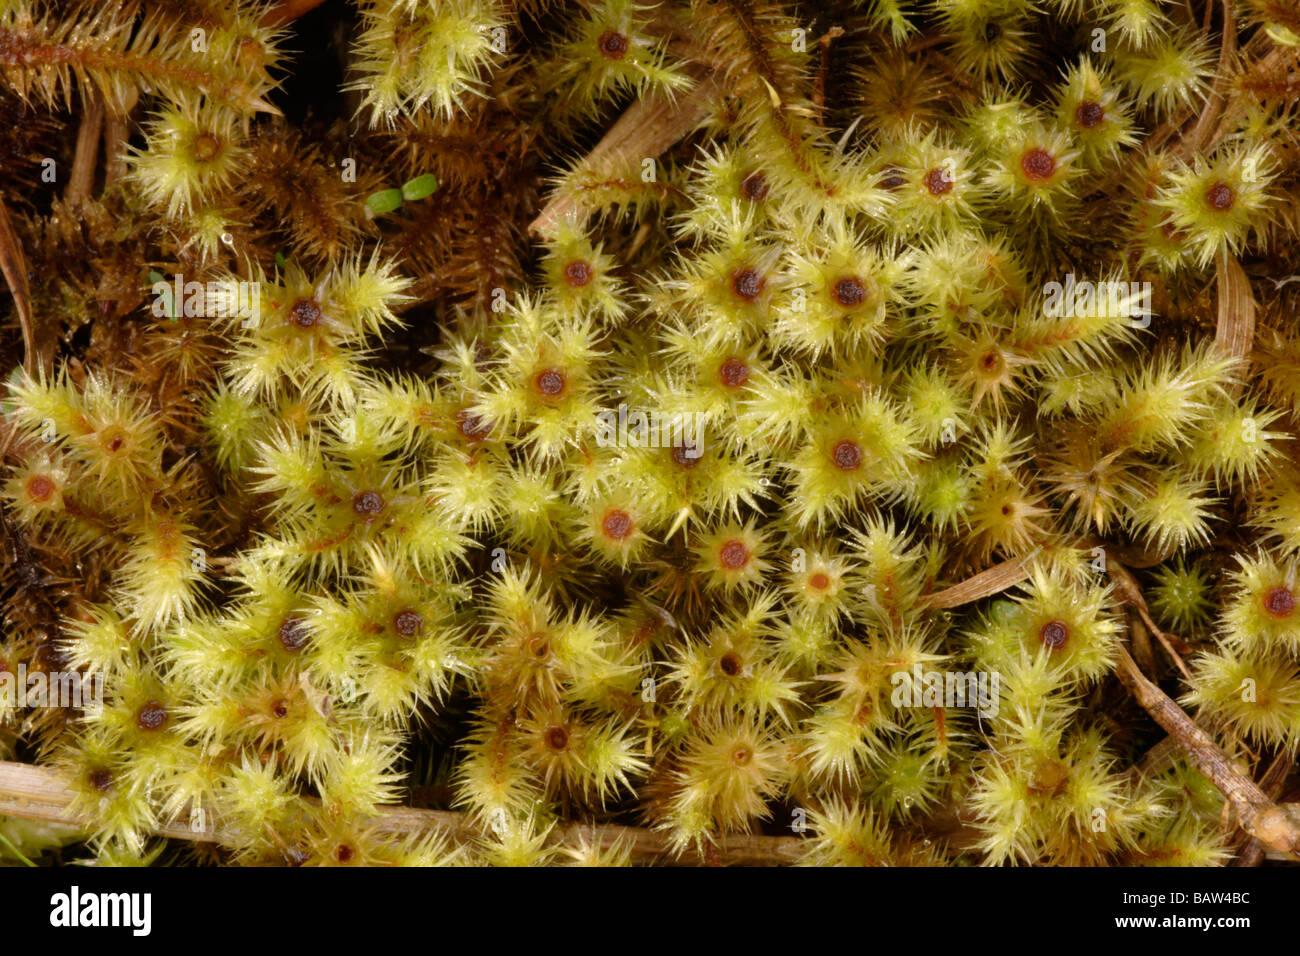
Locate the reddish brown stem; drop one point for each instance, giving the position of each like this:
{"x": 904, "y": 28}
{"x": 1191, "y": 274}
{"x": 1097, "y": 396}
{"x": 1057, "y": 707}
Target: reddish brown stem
{"x": 13, "y": 264}
{"x": 86, "y": 157}
{"x": 286, "y": 11}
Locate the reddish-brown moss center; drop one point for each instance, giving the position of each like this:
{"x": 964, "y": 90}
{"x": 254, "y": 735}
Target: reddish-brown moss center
{"x": 733, "y": 555}
{"x": 754, "y": 187}
{"x": 1089, "y": 114}
{"x": 1054, "y": 634}
{"x": 1279, "y": 602}
{"x": 937, "y": 181}
{"x": 292, "y": 634}
{"x": 408, "y": 623}
{"x": 730, "y": 664}
{"x": 304, "y": 313}
{"x": 472, "y": 427}
{"x": 617, "y": 524}
{"x": 747, "y": 283}
{"x": 686, "y": 457}
{"x": 1037, "y": 164}
{"x": 613, "y": 45}
{"x": 152, "y": 716}
{"x": 206, "y": 147}
{"x": 1220, "y": 197}
{"x": 549, "y": 382}
{"x": 733, "y": 372}
{"x": 849, "y": 292}
{"x": 893, "y": 179}
{"x": 113, "y": 439}
{"x": 40, "y": 488}
{"x": 847, "y": 455}
{"x": 578, "y": 273}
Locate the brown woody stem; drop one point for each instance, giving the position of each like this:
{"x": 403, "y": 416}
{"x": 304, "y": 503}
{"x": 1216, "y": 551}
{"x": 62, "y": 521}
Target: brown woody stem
{"x": 39, "y": 793}
{"x": 1276, "y": 827}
